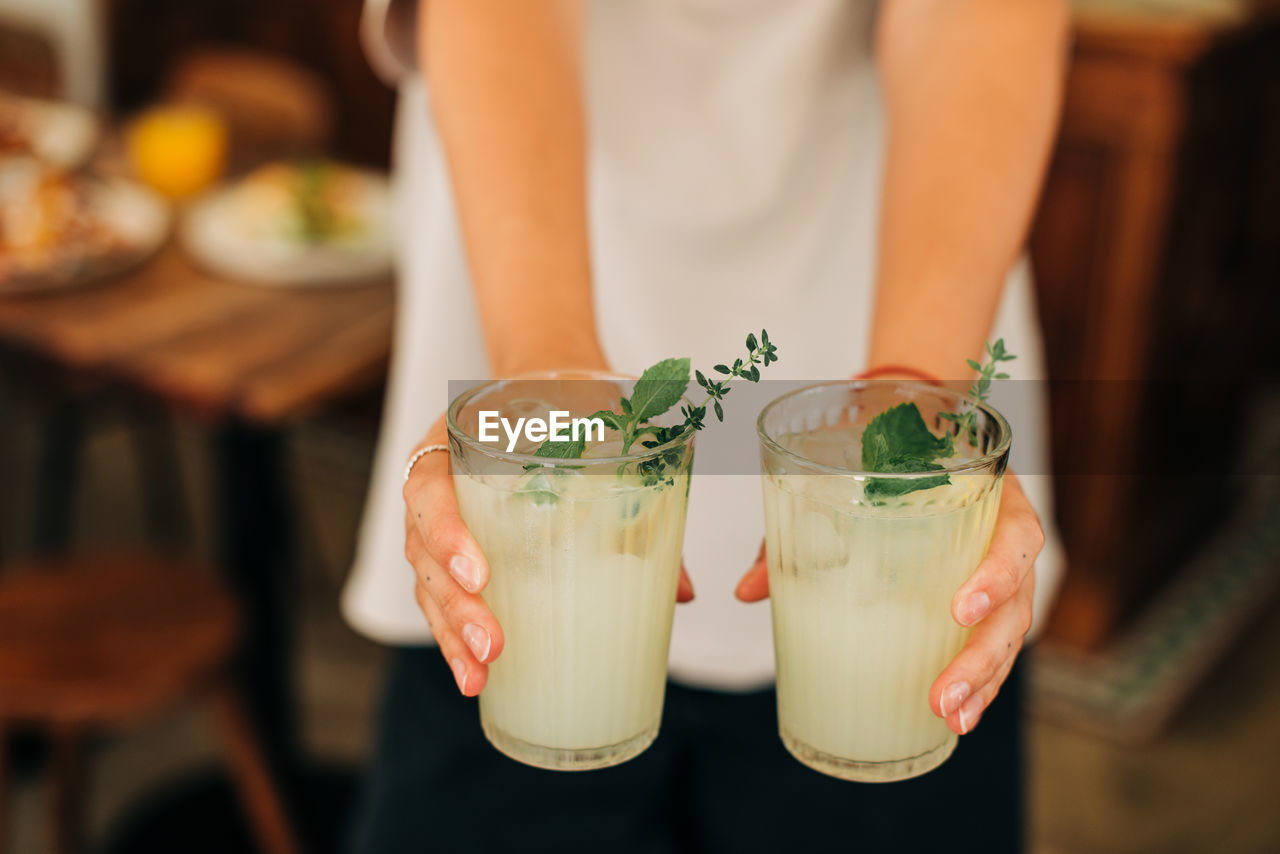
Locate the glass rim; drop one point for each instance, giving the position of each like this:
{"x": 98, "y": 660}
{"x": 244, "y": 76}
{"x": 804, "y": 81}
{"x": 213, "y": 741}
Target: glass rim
{"x": 966, "y": 467}
{"x": 456, "y": 432}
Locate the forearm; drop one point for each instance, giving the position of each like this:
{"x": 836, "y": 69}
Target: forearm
{"x": 972, "y": 92}
{"x": 507, "y": 99}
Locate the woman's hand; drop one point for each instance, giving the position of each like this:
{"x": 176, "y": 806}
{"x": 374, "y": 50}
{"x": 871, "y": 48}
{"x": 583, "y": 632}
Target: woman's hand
{"x": 996, "y": 601}
{"x": 452, "y": 570}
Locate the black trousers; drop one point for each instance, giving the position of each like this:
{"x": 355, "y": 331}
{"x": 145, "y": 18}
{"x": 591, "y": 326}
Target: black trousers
{"x": 717, "y": 779}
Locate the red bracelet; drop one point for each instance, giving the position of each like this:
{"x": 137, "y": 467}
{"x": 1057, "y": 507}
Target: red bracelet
{"x": 881, "y": 370}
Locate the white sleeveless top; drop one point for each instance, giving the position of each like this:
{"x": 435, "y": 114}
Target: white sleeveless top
{"x": 735, "y": 151}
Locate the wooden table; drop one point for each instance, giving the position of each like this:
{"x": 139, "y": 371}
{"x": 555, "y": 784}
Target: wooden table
{"x": 246, "y": 361}
{"x": 216, "y": 349}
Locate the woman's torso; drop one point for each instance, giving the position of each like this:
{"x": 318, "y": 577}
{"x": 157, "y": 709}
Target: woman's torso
{"x": 735, "y": 150}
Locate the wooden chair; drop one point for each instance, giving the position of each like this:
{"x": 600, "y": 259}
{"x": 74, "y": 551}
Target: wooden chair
{"x": 75, "y": 35}
{"x": 101, "y": 644}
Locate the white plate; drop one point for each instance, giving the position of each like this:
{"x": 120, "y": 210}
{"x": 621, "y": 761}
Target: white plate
{"x": 135, "y": 219}
{"x": 223, "y": 234}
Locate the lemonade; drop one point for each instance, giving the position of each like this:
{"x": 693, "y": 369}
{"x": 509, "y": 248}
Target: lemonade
{"x": 861, "y": 587}
{"x": 583, "y": 529}
{"x": 583, "y": 581}
{"x": 584, "y": 561}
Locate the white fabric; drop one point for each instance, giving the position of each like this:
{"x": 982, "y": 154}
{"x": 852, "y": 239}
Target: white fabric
{"x": 735, "y": 152}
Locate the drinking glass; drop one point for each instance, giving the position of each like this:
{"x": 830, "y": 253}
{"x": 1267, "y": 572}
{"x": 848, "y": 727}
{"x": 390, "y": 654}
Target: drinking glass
{"x": 584, "y": 558}
{"x": 862, "y": 571}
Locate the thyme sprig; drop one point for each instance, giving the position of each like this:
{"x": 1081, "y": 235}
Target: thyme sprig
{"x": 980, "y": 390}
{"x": 760, "y": 354}
{"x": 659, "y": 388}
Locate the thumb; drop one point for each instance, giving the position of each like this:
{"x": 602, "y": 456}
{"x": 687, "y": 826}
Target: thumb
{"x": 684, "y": 592}
{"x": 754, "y": 586}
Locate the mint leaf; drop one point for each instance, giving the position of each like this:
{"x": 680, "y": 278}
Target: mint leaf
{"x": 907, "y": 465}
{"x": 897, "y": 434}
{"x": 610, "y": 418}
{"x": 898, "y": 440}
{"x": 570, "y": 450}
{"x": 659, "y": 388}
{"x": 881, "y": 487}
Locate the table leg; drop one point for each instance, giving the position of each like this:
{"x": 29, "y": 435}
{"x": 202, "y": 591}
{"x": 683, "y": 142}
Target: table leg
{"x": 255, "y": 542}
{"x": 4, "y": 789}
{"x": 65, "y": 814}
{"x": 58, "y": 468}
{"x": 164, "y": 501}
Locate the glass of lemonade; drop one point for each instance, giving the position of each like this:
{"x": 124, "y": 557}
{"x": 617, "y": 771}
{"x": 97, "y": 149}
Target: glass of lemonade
{"x": 861, "y": 579}
{"x": 584, "y": 558}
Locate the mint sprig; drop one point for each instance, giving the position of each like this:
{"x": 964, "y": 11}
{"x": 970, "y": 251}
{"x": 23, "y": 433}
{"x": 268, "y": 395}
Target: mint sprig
{"x": 659, "y": 388}
{"x": 570, "y": 450}
{"x": 898, "y": 435}
{"x": 883, "y": 487}
{"x": 898, "y": 440}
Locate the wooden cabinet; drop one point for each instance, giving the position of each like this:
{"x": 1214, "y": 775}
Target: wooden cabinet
{"x": 1154, "y": 262}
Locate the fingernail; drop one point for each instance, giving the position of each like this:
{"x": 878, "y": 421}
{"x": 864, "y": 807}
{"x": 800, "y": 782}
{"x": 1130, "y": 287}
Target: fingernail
{"x": 465, "y": 572}
{"x": 478, "y": 639}
{"x": 953, "y": 696}
{"x": 970, "y": 712}
{"x": 974, "y": 608}
{"x": 459, "y": 668}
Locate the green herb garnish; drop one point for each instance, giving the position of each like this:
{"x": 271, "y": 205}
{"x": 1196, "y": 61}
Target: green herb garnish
{"x": 899, "y": 435}
{"x": 980, "y": 389}
{"x": 898, "y": 441}
{"x": 659, "y": 388}
{"x": 317, "y": 222}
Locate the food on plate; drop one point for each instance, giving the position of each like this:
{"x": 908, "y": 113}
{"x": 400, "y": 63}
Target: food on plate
{"x": 310, "y": 202}
{"x": 58, "y": 228}
{"x": 305, "y": 223}
{"x": 62, "y": 135}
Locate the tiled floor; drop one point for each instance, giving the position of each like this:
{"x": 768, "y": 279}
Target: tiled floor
{"x": 1210, "y": 784}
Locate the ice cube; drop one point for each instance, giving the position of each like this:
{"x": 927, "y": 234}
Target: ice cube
{"x": 610, "y": 447}
{"x": 818, "y": 544}
{"x": 829, "y": 446}
{"x": 547, "y": 485}
{"x": 526, "y": 407}
{"x": 853, "y": 456}
{"x": 538, "y": 486}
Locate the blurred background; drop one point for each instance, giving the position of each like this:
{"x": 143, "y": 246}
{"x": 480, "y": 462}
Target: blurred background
{"x": 195, "y": 315}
